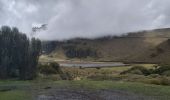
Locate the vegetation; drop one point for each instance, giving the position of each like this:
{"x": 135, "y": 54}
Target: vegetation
{"x": 162, "y": 70}
{"x": 15, "y": 95}
{"x": 19, "y": 58}
{"x": 158, "y": 69}
{"x": 89, "y": 79}
{"x": 127, "y": 86}
{"x": 138, "y": 73}
{"x": 158, "y": 75}
{"x": 80, "y": 52}
{"x": 152, "y": 45}
{"x": 18, "y": 55}
{"x": 49, "y": 68}
{"x": 137, "y": 70}
{"x": 23, "y": 92}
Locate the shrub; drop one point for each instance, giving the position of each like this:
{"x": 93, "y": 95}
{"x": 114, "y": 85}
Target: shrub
{"x": 158, "y": 81}
{"x": 154, "y": 75}
{"x": 165, "y": 81}
{"x": 50, "y": 68}
{"x": 154, "y": 81}
{"x": 101, "y": 77}
{"x": 66, "y": 76}
{"x": 161, "y": 69}
{"x": 46, "y": 69}
{"x": 55, "y": 66}
{"x": 137, "y": 70}
{"x": 166, "y": 73}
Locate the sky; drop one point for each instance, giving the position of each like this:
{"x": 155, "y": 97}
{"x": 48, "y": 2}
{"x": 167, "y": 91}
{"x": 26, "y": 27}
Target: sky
{"x": 84, "y": 18}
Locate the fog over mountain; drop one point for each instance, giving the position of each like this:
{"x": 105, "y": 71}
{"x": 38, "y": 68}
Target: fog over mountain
{"x": 84, "y": 18}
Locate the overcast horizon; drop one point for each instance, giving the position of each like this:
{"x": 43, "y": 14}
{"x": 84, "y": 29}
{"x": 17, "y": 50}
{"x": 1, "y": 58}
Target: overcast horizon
{"x": 84, "y": 18}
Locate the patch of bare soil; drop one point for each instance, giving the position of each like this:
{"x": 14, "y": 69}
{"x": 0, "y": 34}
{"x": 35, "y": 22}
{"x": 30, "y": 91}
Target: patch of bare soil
{"x": 68, "y": 94}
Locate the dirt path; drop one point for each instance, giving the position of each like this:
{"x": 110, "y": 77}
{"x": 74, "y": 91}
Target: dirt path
{"x": 67, "y": 94}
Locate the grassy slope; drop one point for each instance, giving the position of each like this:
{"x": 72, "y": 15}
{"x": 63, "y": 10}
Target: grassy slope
{"x": 119, "y": 49}
{"x": 161, "y": 53}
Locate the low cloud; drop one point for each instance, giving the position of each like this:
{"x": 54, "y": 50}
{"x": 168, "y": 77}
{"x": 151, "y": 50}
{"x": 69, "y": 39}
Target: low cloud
{"x": 84, "y": 18}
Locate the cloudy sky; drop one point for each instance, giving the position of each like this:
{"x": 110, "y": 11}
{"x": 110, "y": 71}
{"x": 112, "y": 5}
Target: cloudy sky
{"x": 84, "y": 18}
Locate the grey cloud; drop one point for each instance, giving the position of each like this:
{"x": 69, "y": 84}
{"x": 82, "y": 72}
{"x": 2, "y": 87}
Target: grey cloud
{"x": 85, "y": 18}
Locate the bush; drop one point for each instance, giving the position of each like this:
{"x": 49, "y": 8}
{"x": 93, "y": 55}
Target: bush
{"x": 55, "y": 66}
{"x": 67, "y": 76}
{"x": 154, "y": 75}
{"x": 166, "y": 73}
{"x": 158, "y": 81}
{"x": 46, "y": 69}
{"x": 165, "y": 81}
{"x": 162, "y": 69}
{"x": 137, "y": 70}
{"x": 101, "y": 77}
{"x": 154, "y": 81}
{"x": 50, "y": 68}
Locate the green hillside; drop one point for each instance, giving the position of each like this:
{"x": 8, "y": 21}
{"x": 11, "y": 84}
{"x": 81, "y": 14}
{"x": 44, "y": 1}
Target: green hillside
{"x": 158, "y": 54}
{"x": 131, "y": 47}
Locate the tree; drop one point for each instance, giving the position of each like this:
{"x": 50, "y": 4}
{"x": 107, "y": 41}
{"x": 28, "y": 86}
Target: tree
{"x": 34, "y": 53}
{"x": 18, "y": 56}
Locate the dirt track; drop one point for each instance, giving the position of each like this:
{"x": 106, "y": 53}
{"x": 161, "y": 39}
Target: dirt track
{"x": 67, "y": 94}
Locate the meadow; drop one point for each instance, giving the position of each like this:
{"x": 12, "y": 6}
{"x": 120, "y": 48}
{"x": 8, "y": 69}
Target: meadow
{"x": 89, "y": 79}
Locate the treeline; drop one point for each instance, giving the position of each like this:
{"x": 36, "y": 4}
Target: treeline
{"x": 18, "y": 55}
{"x": 49, "y": 46}
{"x": 75, "y": 52}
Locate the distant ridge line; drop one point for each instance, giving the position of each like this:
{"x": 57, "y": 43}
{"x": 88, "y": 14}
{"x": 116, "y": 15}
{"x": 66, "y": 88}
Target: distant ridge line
{"x": 142, "y": 37}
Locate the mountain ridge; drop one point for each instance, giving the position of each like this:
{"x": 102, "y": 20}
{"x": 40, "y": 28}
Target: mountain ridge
{"x": 130, "y": 47}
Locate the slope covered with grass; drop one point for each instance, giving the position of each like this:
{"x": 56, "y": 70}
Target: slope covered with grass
{"x": 132, "y": 47}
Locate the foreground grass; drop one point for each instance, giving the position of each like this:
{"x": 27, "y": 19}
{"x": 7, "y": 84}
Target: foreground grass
{"x": 15, "y": 95}
{"x": 28, "y": 90}
{"x": 146, "y": 89}
{"x": 15, "y": 90}
{"x": 156, "y": 91}
{"x": 22, "y": 90}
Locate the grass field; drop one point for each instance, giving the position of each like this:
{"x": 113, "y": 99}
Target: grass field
{"x": 15, "y": 90}
{"x": 145, "y": 89}
{"x": 89, "y": 79}
{"x": 27, "y": 90}
{"x": 15, "y": 95}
